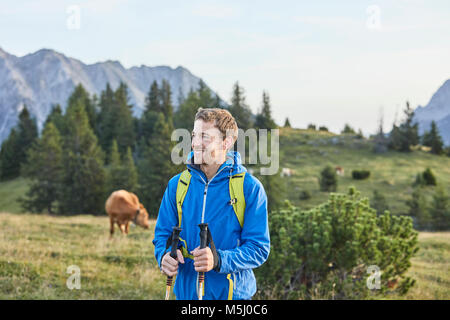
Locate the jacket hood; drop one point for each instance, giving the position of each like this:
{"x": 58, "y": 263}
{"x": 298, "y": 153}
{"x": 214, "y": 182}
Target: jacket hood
{"x": 231, "y": 166}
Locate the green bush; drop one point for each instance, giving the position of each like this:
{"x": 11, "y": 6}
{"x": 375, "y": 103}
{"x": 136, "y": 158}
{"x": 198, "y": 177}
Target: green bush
{"x": 429, "y": 177}
{"x": 360, "y": 174}
{"x": 305, "y": 195}
{"x": 328, "y": 179}
{"x": 326, "y": 252}
{"x": 425, "y": 178}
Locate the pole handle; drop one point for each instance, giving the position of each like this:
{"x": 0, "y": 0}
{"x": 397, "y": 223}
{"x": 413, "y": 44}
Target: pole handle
{"x": 203, "y": 235}
{"x": 175, "y": 239}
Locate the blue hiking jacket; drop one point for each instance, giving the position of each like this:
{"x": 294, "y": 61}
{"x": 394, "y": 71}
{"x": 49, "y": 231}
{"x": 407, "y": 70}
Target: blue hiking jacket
{"x": 239, "y": 249}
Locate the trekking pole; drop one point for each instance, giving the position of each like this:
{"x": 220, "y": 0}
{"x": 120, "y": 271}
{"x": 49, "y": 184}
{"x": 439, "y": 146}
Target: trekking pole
{"x": 203, "y": 242}
{"x": 173, "y": 241}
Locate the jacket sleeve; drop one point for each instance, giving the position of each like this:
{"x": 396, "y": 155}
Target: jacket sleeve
{"x": 255, "y": 241}
{"x": 167, "y": 218}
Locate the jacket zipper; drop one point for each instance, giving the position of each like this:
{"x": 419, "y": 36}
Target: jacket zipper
{"x": 206, "y": 190}
{"x": 203, "y": 209}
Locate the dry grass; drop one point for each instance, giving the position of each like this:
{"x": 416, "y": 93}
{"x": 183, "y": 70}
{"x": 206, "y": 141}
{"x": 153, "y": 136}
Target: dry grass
{"x": 35, "y": 251}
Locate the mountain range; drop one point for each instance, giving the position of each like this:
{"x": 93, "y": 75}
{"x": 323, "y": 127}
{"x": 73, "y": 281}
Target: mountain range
{"x": 437, "y": 109}
{"x": 46, "y": 77}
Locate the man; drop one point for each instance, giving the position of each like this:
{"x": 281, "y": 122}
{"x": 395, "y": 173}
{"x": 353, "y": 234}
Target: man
{"x": 228, "y": 271}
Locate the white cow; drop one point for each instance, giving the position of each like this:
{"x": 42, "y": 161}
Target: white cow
{"x": 287, "y": 172}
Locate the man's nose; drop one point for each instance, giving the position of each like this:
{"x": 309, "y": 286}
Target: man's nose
{"x": 196, "y": 142}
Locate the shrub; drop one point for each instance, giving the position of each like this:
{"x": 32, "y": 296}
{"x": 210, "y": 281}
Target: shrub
{"x": 328, "y": 179}
{"x": 425, "y": 178}
{"x": 429, "y": 177}
{"x": 305, "y": 195}
{"x": 360, "y": 174}
{"x": 326, "y": 252}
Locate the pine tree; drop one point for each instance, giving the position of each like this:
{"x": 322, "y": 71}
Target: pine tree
{"x": 328, "y": 179}
{"x": 379, "y": 202}
{"x": 433, "y": 139}
{"x": 395, "y": 138}
{"x": 380, "y": 142}
{"x": 14, "y": 149}
{"x": 200, "y": 98}
{"x": 121, "y": 174}
{"x": 239, "y": 109}
{"x": 44, "y": 168}
{"x": 166, "y": 102}
{"x": 57, "y": 118}
{"x": 130, "y": 172}
{"x": 116, "y": 120}
{"x": 325, "y": 252}
{"x": 205, "y": 95}
{"x": 83, "y": 188}
{"x": 9, "y": 167}
{"x": 80, "y": 95}
{"x": 185, "y": 115}
{"x": 114, "y": 178}
{"x": 418, "y": 209}
{"x": 440, "y": 209}
{"x": 106, "y": 119}
{"x": 181, "y": 97}
{"x": 217, "y": 102}
{"x": 405, "y": 135}
{"x": 156, "y": 168}
{"x": 27, "y": 134}
{"x": 124, "y": 126}
{"x": 348, "y": 129}
{"x": 287, "y": 123}
{"x": 152, "y": 101}
{"x": 409, "y": 129}
{"x": 428, "y": 177}
{"x": 149, "y": 117}
{"x": 264, "y": 119}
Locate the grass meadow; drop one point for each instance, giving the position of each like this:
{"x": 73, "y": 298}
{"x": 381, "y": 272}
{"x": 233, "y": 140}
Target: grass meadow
{"x": 37, "y": 249}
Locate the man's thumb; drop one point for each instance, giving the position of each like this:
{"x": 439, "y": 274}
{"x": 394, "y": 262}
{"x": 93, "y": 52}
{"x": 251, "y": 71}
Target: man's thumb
{"x": 180, "y": 256}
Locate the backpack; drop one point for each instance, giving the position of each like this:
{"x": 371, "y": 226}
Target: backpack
{"x": 236, "y": 189}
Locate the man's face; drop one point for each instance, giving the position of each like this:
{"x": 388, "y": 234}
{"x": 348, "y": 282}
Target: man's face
{"x": 207, "y": 143}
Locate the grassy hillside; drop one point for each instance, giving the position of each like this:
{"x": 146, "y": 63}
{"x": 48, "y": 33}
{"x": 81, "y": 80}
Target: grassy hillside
{"x": 431, "y": 267}
{"x": 36, "y": 250}
{"x": 10, "y": 191}
{"x": 392, "y": 173}
{"x": 308, "y": 152}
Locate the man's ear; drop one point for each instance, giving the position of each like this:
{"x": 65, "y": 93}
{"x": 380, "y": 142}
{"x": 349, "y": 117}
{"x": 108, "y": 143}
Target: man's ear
{"x": 227, "y": 143}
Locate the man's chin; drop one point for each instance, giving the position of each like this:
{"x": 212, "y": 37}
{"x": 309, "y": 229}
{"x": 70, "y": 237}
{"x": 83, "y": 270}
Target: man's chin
{"x": 199, "y": 160}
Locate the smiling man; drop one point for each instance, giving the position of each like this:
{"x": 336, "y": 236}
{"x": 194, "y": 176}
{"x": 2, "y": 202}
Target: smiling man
{"x": 219, "y": 191}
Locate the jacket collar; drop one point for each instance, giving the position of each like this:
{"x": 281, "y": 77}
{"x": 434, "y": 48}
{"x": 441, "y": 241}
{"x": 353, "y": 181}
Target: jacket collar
{"x": 230, "y": 166}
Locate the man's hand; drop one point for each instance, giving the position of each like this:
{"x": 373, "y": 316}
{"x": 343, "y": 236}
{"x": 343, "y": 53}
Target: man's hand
{"x": 169, "y": 265}
{"x": 203, "y": 259}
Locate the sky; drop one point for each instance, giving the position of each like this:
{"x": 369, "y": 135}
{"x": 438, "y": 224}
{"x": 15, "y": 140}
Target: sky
{"x": 321, "y": 62}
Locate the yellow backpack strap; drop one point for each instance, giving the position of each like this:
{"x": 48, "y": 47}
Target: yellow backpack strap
{"x": 237, "y": 196}
{"x": 182, "y": 187}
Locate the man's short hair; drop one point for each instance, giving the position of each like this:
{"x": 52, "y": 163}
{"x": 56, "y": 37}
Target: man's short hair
{"x": 222, "y": 118}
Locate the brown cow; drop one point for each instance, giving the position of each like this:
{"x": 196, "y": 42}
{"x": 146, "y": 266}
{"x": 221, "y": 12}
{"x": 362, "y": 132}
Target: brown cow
{"x": 122, "y": 207}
